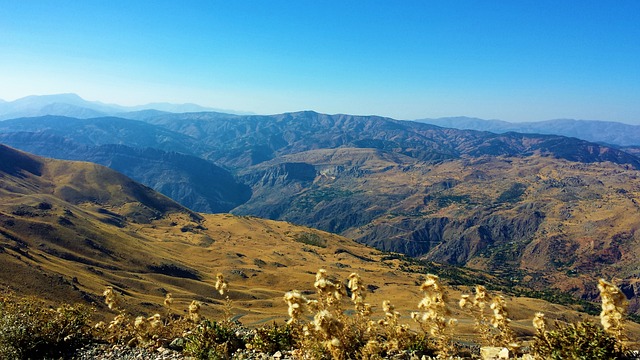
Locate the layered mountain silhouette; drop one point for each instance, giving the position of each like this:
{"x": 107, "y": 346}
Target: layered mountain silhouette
{"x": 539, "y": 209}
{"x": 72, "y": 105}
{"x": 591, "y": 130}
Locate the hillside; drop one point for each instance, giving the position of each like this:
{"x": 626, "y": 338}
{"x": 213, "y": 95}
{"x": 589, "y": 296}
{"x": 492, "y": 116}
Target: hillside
{"x": 194, "y": 182}
{"x": 541, "y": 210}
{"x": 68, "y": 245}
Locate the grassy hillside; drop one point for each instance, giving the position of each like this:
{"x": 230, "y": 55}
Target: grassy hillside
{"x": 68, "y": 230}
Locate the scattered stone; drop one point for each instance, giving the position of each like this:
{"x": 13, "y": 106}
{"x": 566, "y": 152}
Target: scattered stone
{"x": 492, "y": 353}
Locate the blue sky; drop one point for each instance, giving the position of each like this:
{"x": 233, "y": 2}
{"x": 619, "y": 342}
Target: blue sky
{"x": 509, "y": 60}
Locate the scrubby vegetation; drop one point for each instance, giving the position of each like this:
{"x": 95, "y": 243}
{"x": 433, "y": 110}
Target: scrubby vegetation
{"x": 335, "y": 323}
{"x": 29, "y": 329}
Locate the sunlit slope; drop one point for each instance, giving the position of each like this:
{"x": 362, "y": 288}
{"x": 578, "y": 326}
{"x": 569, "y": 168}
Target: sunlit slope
{"x": 69, "y": 229}
{"x": 539, "y": 220}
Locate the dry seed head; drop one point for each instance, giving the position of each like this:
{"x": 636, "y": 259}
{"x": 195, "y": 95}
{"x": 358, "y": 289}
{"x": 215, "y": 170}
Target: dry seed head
{"x": 168, "y": 300}
{"x": 140, "y": 322}
{"x": 463, "y": 301}
{"x": 387, "y": 307}
{"x": 154, "y": 321}
{"x": 321, "y": 274}
{"x": 296, "y": 302}
{"x": 499, "y": 307}
{"x": 117, "y": 321}
{"x": 480, "y": 297}
{"x": 194, "y": 311}
{"x": 614, "y": 307}
{"x": 538, "y": 322}
{"x": 430, "y": 281}
{"x": 357, "y": 291}
{"x": 221, "y": 285}
{"x": 354, "y": 281}
{"x": 326, "y": 323}
{"x": 110, "y": 297}
{"x": 366, "y": 309}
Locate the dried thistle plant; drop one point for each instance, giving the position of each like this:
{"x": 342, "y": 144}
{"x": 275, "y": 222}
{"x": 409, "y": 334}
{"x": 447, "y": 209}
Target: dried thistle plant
{"x": 194, "y": 311}
{"x": 432, "y": 317}
{"x": 358, "y": 293}
{"x": 154, "y": 321}
{"x": 297, "y": 303}
{"x": 221, "y": 285}
{"x": 168, "y": 301}
{"x": 330, "y": 292}
{"x": 111, "y": 298}
{"x": 500, "y": 321}
{"x": 396, "y": 335}
{"x": 614, "y": 308}
{"x": 476, "y": 308}
{"x": 539, "y": 323}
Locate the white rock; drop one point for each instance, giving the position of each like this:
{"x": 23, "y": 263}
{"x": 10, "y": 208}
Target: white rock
{"x": 492, "y": 353}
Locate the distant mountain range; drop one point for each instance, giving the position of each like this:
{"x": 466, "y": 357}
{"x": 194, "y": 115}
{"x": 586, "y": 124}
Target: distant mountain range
{"x": 542, "y": 210}
{"x": 608, "y": 132}
{"x": 73, "y": 105}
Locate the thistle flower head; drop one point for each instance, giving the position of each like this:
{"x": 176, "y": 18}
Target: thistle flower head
{"x": 154, "y": 321}
{"x": 168, "y": 300}
{"x": 110, "y": 297}
{"x": 296, "y": 302}
{"x": 387, "y": 307}
{"x": 614, "y": 308}
{"x": 321, "y": 274}
{"x": 194, "y": 311}
{"x": 463, "y": 301}
{"x": 480, "y": 297}
{"x": 354, "y": 281}
{"x": 538, "y": 322}
{"x": 326, "y": 323}
{"x": 140, "y": 322}
{"x": 221, "y": 285}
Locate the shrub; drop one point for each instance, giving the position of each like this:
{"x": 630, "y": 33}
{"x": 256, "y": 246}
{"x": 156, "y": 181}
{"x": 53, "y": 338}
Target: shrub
{"x": 311, "y": 239}
{"x": 213, "y": 340}
{"x": 270, "y": 339}
{"x": 31, "y": 330}
{"x": 583, "y": 340}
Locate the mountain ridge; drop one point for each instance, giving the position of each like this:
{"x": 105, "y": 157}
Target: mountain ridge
{"x": 600, "y": 131}
{"x": 70, "y": 104}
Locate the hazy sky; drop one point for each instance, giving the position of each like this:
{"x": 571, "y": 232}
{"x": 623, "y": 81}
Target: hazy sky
{"x": 512, "y": 60}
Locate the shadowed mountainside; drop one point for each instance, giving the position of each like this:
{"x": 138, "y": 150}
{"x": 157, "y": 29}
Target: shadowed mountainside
{"x": 194, "y": 182}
